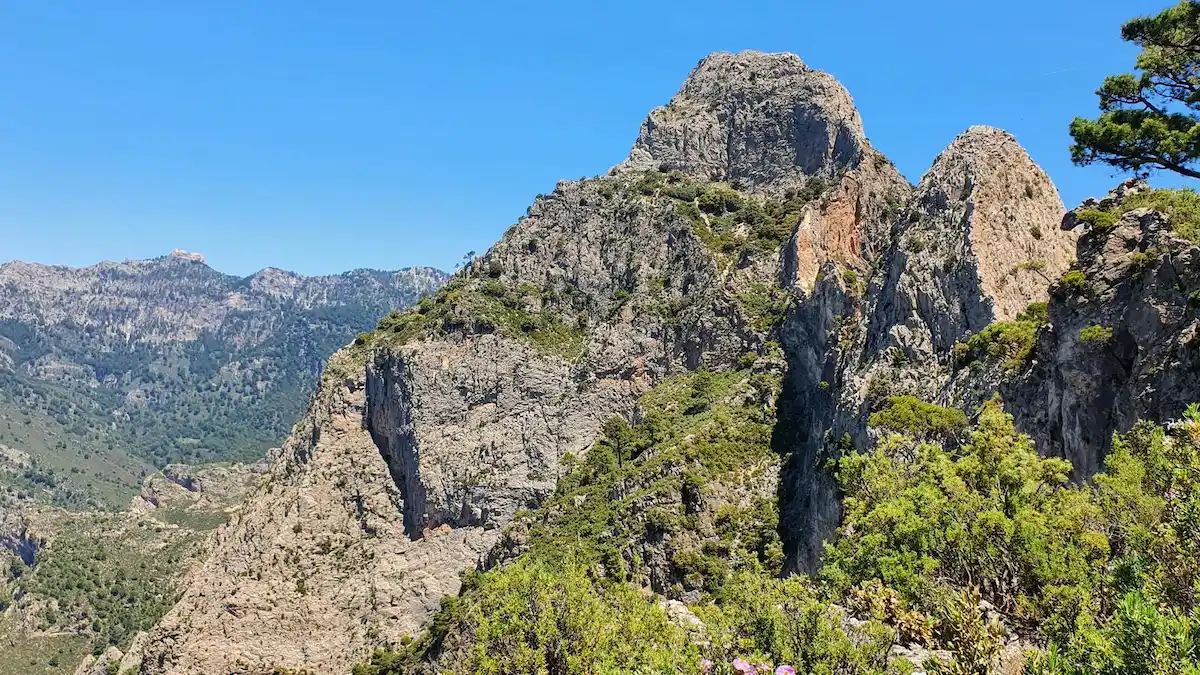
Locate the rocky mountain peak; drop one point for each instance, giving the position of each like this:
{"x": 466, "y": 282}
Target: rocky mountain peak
{"x": 986, "y": 183}
{"x": 764, "y": 120}
{"x": 180, "y": 254}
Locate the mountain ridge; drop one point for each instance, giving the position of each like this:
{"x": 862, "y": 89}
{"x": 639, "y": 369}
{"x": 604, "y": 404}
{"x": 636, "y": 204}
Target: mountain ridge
{"x": 159, "y": 360}
{"x": 801, "y": 286}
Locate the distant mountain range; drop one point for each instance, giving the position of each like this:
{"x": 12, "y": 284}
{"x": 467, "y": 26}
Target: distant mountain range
{"x": 108, "y": 370}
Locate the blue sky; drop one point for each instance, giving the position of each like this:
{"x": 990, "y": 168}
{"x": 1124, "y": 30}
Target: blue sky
{"x": 320, "y": 136}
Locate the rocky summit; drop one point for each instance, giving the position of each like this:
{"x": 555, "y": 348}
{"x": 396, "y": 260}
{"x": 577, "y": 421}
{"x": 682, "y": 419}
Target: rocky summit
{"x": 669, "y": 393}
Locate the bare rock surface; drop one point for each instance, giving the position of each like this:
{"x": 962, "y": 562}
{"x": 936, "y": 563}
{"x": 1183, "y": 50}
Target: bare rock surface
{"x": 767, "y": 120}
{"x": 317, "y": 567}
{"x": 1136, "y": 293}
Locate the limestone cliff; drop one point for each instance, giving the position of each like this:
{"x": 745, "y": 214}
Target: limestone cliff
{"x": 976, "y": 241}
{"x": 316, "y": 567}
{"x": 1122, "y": 340}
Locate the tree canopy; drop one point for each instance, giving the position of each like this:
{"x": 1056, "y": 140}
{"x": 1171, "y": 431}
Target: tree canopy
{"x": 1149, "y": 119}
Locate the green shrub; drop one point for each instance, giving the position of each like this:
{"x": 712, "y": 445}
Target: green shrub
{"x": 991, "y": 510}
{"x": 531, "y": 617}
{"x": 1074, "y": 280}
{"x": 1009, "y": 341}
{"x": 488, "y": 305}
{"x": 764, "y": 619}
{"x": 913, "y": 417}
{"x": 719, "y": 199}
{"x": 1098, "y": 220}
{"x": 1181, "y": 207}
{"x": 1096, "y": 334}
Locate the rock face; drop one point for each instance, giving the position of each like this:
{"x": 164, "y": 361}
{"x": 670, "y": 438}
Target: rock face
{"x": 1137, "y": 284}
{"x": 172, "y": 360}
{"x": 976, "y": 241}
{"x": 766, "y": 120}
{"x": 425, "y": 439}
{"x": 317, "y": 568}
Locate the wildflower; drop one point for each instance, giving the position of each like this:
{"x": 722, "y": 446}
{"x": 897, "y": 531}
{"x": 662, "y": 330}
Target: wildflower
{"x": 744, "y": 667}
{"x": 706, "y": 665}
{"x": 785, "y": 670}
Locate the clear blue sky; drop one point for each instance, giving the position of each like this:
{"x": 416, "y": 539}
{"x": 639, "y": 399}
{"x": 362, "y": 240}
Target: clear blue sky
{"x": 320, "y": 136}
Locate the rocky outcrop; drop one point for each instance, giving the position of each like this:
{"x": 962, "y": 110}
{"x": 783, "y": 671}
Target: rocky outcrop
{"x": 763, "y": 120}
{"x": 316, "y": 568}
{"x": 473, "y": 432}
{"x": 1122, "y": 343}
{"x": 17, "y": 537}
{"x": 976, "y": 242}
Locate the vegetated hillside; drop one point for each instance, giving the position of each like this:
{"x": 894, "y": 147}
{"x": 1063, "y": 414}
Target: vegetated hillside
{"x": 109, "y": 371}
{"x": 749, "y": 399}
{"x": 75, "y": 584}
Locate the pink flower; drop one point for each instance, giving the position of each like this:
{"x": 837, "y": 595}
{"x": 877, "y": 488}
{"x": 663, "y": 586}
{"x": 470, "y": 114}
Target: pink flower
{"x": 706, "y": 665}
{"x": 744, "y": 667}
{"x": 785, "y": 670}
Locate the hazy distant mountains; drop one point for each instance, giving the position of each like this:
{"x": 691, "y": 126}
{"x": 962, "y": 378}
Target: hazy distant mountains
{"x": 109, "y": 368}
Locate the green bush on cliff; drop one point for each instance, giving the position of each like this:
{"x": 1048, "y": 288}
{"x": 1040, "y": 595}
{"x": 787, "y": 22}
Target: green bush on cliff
{"x": 1097, "y": 219}
{"x": 1107, "y": 573}
{"x": 1181, "y": 207}
{"x": 1010, "y": 342}
{"x": 730, "y": 223}
{"x": 1096, "y": 335}
{"x": 695, "y": 429}
{"x": 531, "y": 617}
{"x": 487, "y": 306}
{"x": 1145, "y": 616}
{"x": 764, "y": 619}
{"x": 992, "y": 512}
{"x": 913, "y": 417}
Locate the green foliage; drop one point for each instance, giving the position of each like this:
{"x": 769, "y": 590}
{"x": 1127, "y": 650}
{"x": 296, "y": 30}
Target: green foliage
{"x": 1146, "y": 618}
{"x": 1010, "y": 342}
{"x": 1074, "y": 280}
{"x": 107, "y": 586}
{"x": 913, "y": 417}
{"x": 1096, "y": 335}
{"x": 468, "y": 304}
{"x": 919, "y": 519}
{"x": 537, "y": 617}
{"x": 731, "y": 224}
{"x": 697, "y": 430}
{"x": 764, "y": 619}
{"x": 765, "y": 306}
{"x": 1108, "y": 573}
{"x": 1148, "y": 120}
{"x": 1098, "y": 220}
{"x": 966, "y": 631}
{"x": 1182, "y": 208}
